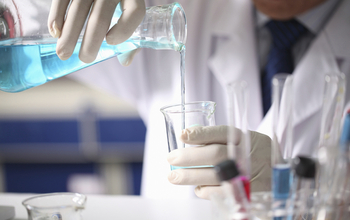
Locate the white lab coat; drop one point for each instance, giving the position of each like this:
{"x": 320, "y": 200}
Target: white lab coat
{"x": 221, "y": 47}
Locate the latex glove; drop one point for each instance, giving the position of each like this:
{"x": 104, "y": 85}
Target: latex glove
{"x": 212, "y": 151}
{"x": 68, "y": 26}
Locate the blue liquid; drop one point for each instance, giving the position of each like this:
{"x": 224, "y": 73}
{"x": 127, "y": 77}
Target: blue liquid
{"x": 281, "y": 178}
{"x": 31, "y": 60}
{"x": 176, "y": 168}
{"x": 26, "y": 66}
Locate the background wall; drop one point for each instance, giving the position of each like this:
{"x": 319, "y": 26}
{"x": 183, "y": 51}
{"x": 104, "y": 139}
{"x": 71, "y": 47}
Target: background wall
{"x": 64, "y": 136}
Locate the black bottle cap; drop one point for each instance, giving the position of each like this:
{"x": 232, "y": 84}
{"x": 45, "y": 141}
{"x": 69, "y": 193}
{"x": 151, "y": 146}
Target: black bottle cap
{"x": 304, "y": 167}
{"x": 226, "y": 170}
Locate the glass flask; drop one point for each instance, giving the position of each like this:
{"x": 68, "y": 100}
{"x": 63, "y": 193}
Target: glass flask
{"x": 28, "y": 52}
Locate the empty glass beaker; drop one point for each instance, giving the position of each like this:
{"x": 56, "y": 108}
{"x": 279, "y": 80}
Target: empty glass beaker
{"x": 179, "y": 117}
{"x": 28, "y": 52}
{"x": 55, "y": 206}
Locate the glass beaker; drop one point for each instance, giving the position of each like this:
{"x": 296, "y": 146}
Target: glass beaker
{"x": 179, "y": 117}
{"x": 55, "y": 206}
{"x": 28, "y": 52}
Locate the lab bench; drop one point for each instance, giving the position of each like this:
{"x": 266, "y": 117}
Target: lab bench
{"x": 126, "y": 207}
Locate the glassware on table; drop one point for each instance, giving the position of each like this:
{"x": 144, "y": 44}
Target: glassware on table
{"x": 238, "y": 118}
{"x": 332, "y": 178}
{"x": 28, "y": 52}
{"x": 55, "y": 206}
{"x": 282, "y": 146}
{"x": 179, "y": 117}
{"x": 301, "y": 204}
{"x": 282, "y": 143}
{"x": 236, "y": 196}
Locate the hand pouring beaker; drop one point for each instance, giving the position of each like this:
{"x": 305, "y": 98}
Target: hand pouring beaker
{"x": 28, "y": 52}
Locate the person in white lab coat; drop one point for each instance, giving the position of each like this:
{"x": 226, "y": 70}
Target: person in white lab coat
{"x": 222, "y": 47}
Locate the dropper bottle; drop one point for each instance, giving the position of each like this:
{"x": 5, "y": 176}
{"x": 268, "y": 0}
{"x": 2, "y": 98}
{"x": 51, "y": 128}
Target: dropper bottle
{"x": 303, "y": 187}
{"x": 228, "y": 174}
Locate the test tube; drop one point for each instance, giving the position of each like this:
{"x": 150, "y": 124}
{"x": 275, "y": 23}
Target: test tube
{"x": 332, "y": 109}
{"x": 345, "y": 159}
{"x": 238, "y": 141}
{"x": 331, "y": 169}
{"x": 340, "y": 187}
{"x": 342, "y": 163}
{"x": 229, "y": 175}
{"x": 282, "y": 135}
{"x": 345, "y": 135}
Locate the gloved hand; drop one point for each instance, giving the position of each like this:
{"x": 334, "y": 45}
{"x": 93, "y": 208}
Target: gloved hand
{"x": 68, "y": 28}
{"x": 213, "y": 150}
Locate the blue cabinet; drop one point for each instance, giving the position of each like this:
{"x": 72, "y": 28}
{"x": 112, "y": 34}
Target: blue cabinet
{"x": 38, "y": 156}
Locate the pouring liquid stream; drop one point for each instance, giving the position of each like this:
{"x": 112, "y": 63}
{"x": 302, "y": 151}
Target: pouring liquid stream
{"x": 182, "y": 72}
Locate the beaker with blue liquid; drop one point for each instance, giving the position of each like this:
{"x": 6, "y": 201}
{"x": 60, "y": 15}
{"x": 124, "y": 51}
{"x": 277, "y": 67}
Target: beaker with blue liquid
{"x": 28, "y": 52}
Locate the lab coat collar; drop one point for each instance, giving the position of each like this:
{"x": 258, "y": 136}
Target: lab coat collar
{"x": 313, "y": 19}
{"x": 338, "y": 31}
{"x": 235, "y": 55}
{"x": 323, "y": 56}
{"x": 234, "y": 18}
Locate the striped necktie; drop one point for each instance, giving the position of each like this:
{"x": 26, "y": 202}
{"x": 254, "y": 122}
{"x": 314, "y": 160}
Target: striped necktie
{"x": 280, "y": 60}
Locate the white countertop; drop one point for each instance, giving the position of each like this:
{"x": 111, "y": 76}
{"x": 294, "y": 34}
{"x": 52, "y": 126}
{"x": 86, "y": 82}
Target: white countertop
{"x": 105, "y": 207}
